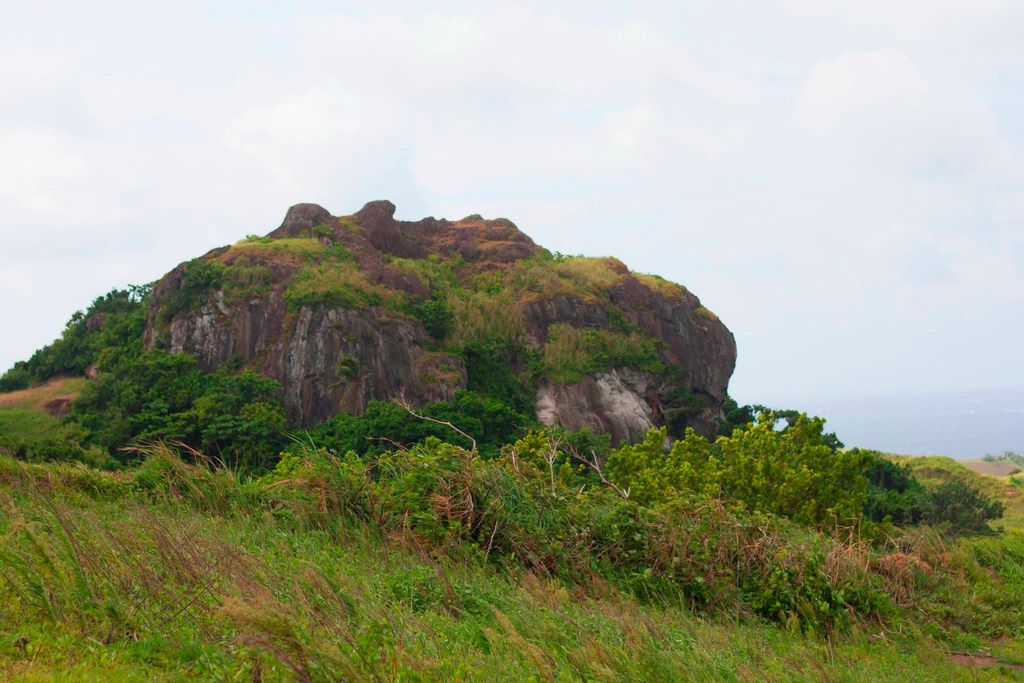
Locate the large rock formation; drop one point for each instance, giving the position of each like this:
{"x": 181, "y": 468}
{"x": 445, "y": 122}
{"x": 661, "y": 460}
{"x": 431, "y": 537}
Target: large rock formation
{"x": 329, "y": 307}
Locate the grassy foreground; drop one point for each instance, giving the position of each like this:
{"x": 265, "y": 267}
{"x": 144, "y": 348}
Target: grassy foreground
{"x": 104, "y": 579}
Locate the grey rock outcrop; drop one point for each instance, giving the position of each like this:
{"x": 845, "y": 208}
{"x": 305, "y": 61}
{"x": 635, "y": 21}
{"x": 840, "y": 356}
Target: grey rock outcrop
{"x": 331, "y": 359}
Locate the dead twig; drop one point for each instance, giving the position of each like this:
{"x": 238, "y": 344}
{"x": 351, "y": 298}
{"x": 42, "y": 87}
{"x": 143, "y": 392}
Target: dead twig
{"x": 593, "y": 464}
{"x": 403, "y": 403}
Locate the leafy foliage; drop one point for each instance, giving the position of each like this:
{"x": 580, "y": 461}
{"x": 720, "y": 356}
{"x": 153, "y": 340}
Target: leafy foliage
{"x": 952, "y": 506}
{"x": 491, "y": 422}
{"x": 436, "y": 315}
{"x": 516, "y": 510}
{"x": 198, "y": 278}
{"x": 959, "y": 508}
{"x": 794, "y": 472}
{"x": 154, "y": 395}
{"x": 115, "y": 319}
{"x": 490, "y": 371}
{"x": 570, "y": 352}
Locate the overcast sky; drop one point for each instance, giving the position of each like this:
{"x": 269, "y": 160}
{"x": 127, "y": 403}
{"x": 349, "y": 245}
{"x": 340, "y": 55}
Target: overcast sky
{"x": 843, "y": 183}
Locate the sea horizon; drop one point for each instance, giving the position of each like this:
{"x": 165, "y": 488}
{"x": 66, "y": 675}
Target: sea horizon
{"x": 962, "y": 424}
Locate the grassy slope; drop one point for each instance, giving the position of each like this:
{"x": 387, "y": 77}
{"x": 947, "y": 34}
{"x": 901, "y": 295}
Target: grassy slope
{"x": 98, "y": 580}
{"x": 1008, "y": 488}
{"x": 22, "y": 415}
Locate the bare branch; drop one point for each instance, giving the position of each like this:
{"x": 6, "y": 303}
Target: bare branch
{"x": 550, "y": 458}
{"x": 593, "y": 464}
{"x": 403, "y": 403}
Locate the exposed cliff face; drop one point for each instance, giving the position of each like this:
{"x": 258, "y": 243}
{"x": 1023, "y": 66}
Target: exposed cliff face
{"x": 332, "y": 308}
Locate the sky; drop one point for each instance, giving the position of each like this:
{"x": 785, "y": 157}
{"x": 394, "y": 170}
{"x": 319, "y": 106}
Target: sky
{"x": 843, "y": 183}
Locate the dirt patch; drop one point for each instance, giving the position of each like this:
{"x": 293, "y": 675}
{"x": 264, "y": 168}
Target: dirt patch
{"x": 37, "y": 397}
{"x": 58, "y": 406}
{"x": 992, "y": 469}
{"x": 982, "y": 662}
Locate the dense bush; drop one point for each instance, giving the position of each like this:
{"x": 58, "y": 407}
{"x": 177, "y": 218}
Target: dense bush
{"x": 517, "y": 511}
{"x": 115, "y": 319}
{"x": 490, "y": 370}
{"x": 489, "y": 421}
{"x": 198, "y": 278}
{"x": 735, "y": 415}
{"x": 957, "y": 507}
{"x": 64, "y": 446}
{"x": 154, "y": 395}
{"x": 894, "y": 493}
{"x": 435, "y": 314}
{"x": 951, "y": 506}
{"x": 794, "y": 472}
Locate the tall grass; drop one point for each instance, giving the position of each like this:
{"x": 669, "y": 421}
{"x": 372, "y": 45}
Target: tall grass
{"x": 435, "y": 565}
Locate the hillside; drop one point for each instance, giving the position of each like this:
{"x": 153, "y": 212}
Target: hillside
{"x": 345, "y": 310}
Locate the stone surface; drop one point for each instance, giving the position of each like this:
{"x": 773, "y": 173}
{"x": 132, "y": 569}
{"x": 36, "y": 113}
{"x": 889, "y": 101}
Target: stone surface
{"x": 312, "y": 351}
{"x": 619, "y": 402}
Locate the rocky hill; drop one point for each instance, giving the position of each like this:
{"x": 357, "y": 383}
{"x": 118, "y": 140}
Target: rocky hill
{"x": 345, "y": 309}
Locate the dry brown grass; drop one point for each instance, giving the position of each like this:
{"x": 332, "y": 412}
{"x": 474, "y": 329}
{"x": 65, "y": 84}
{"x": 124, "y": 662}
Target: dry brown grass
{"x": 669, "y": 290}
{"x": 482, "y": 317}
{"x": 996, "y": 469}
{"x": 582, "y": 277}
{"x": 33, "y": 398}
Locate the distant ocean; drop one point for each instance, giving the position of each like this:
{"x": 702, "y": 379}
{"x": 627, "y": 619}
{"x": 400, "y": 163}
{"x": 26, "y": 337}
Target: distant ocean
{"x": 963, "y": 424}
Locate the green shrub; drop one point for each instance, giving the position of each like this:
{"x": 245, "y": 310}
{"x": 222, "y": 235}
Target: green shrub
{"x": 116, "y": 320}
{"x": 486, "y": 419}
{"x": 958, "y": 508}
{"x": 153, "y": 395}
{"x": 679, "y": 404}
{"x": 952, "y": 505}
{"x": 436, "y": 315}
{"x": 198, "y": 279}
{"x": 517, "y": 511}
{"x": 894, "y": 494}
{"x": 490, "y": 370}
{"x": 571, "y": 353}
{"x": 793, "y": 472}
{"x": 64, "y": 446}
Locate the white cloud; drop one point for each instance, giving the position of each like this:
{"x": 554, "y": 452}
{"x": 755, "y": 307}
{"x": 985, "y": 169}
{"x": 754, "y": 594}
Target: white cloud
{"x": 820, "y": 173}
{"x": 850, "y": 84}
{"x": 45, "y": 180}
{"x": 27, "y": 69}
{"x": 903, "y": 18}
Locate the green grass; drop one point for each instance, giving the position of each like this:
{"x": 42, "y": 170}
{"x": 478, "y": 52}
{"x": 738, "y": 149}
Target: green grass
{"x": 27, "y": 423}
{"x": 117, "y": 576}
{"x": 22, "y": 415}
{"x": 667, "y": 288}
{"x": 571, "y": 353}
{"x": 343, "y": 285}
{"x": 102, "y": 580}
{"x": 300, "y": 246}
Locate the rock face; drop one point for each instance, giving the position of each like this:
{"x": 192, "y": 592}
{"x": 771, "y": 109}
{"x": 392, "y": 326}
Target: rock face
{"x": 619, "y": 402}
{"x": 332, "y": 356}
